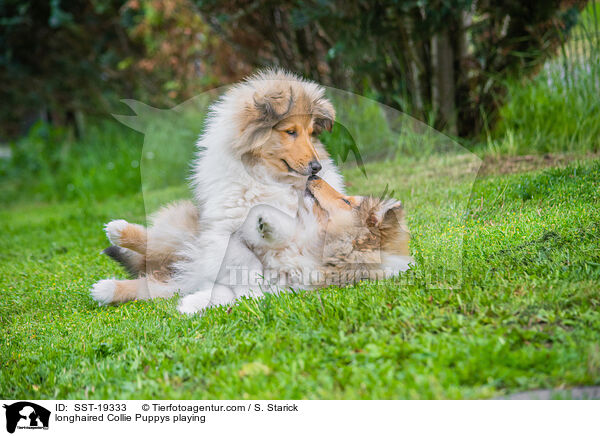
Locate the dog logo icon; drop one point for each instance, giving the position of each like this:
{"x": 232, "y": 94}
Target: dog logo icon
{"x": 26, "y": 415}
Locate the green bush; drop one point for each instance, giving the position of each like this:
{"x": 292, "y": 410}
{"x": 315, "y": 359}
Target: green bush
{"x": 49, "y": 164}
{"x": 547, "y": 116}
{"x": 559, "y": 111}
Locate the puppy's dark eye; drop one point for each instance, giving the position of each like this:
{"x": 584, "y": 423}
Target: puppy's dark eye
{"x": 346, "y": 201}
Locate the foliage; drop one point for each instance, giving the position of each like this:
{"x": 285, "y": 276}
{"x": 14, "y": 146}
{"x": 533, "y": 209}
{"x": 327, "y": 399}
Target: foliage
{"x": 544, "y": 117}
{"x": 525, "y": 318}
{"x": 559, "y": 110}
{"x": 449, "y": 58}
{"x": 182, "y": 56}
{"x": 62, "y": 60}
{"x": 445, "y": 61}
{"x": 59, "y": 58}
{"x": 49, "y": 164}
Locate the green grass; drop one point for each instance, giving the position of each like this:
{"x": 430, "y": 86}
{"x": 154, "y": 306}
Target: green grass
{"x": 526, "y": 316}
{"x": 50, "y": 164}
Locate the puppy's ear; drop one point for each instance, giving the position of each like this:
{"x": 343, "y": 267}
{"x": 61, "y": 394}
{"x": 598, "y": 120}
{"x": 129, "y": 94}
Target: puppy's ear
{"x": 393, "y": 215}
{"x": 324, "y": 115}
{"x": 272, "y": 106}
{"x": 387, "y": 214}
{"x": 260, "y": 114}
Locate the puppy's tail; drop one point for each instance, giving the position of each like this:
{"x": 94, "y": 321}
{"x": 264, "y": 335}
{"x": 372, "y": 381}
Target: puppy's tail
{"x": 134, "y": 263}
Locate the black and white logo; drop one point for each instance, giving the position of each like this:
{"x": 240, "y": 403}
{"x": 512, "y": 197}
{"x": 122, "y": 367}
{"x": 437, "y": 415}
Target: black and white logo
{"x": 26, "y": 415}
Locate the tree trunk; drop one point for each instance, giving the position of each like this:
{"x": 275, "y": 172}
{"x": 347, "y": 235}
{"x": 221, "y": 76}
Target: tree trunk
{"x": 443, "y": 91}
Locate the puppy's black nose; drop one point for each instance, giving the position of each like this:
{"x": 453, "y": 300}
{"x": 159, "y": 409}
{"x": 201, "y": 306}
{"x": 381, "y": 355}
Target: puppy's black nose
{"x": 315, "y": 166}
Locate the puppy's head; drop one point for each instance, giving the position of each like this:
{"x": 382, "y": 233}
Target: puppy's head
{"x": 280, "y": 124}
{"x": 359, "y": 229}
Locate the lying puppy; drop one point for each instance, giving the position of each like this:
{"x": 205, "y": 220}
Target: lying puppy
{"x": 333, "y": 240}
{"x": 339, "y": 240}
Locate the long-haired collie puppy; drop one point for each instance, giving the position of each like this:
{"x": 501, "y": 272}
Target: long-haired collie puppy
{"x": 333, "y": 239}
{"x": 259, "y": 146}
{"x": 336, "y": 240}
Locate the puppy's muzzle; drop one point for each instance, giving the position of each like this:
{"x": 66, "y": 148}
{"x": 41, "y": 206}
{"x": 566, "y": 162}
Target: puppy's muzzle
{"x": 314, "y": 166}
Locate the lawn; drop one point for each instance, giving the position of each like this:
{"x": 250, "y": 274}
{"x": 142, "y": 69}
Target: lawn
{"x": 525, "y": 317}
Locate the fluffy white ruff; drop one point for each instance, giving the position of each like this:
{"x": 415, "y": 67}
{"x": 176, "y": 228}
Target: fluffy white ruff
{"x": 104, "y": 292}
{"x": 222, "y": 184}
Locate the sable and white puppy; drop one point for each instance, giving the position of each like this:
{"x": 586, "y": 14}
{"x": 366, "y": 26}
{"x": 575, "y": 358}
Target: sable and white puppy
{"x": 337, "y": 240}
{"x": 334, "y": 239}
{"x": 259, "y": 146}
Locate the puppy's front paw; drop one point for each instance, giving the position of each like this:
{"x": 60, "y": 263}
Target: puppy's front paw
{"x": 104, "y": 291}
{"x": 264, "y": 228}
{"x": 114, "y": 229}
{"x": 194, "y": 303}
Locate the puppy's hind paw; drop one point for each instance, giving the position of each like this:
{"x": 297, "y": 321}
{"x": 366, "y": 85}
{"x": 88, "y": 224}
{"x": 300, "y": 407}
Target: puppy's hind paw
{"x": 114, "y": 230}
{"x": 104, "y": 292}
